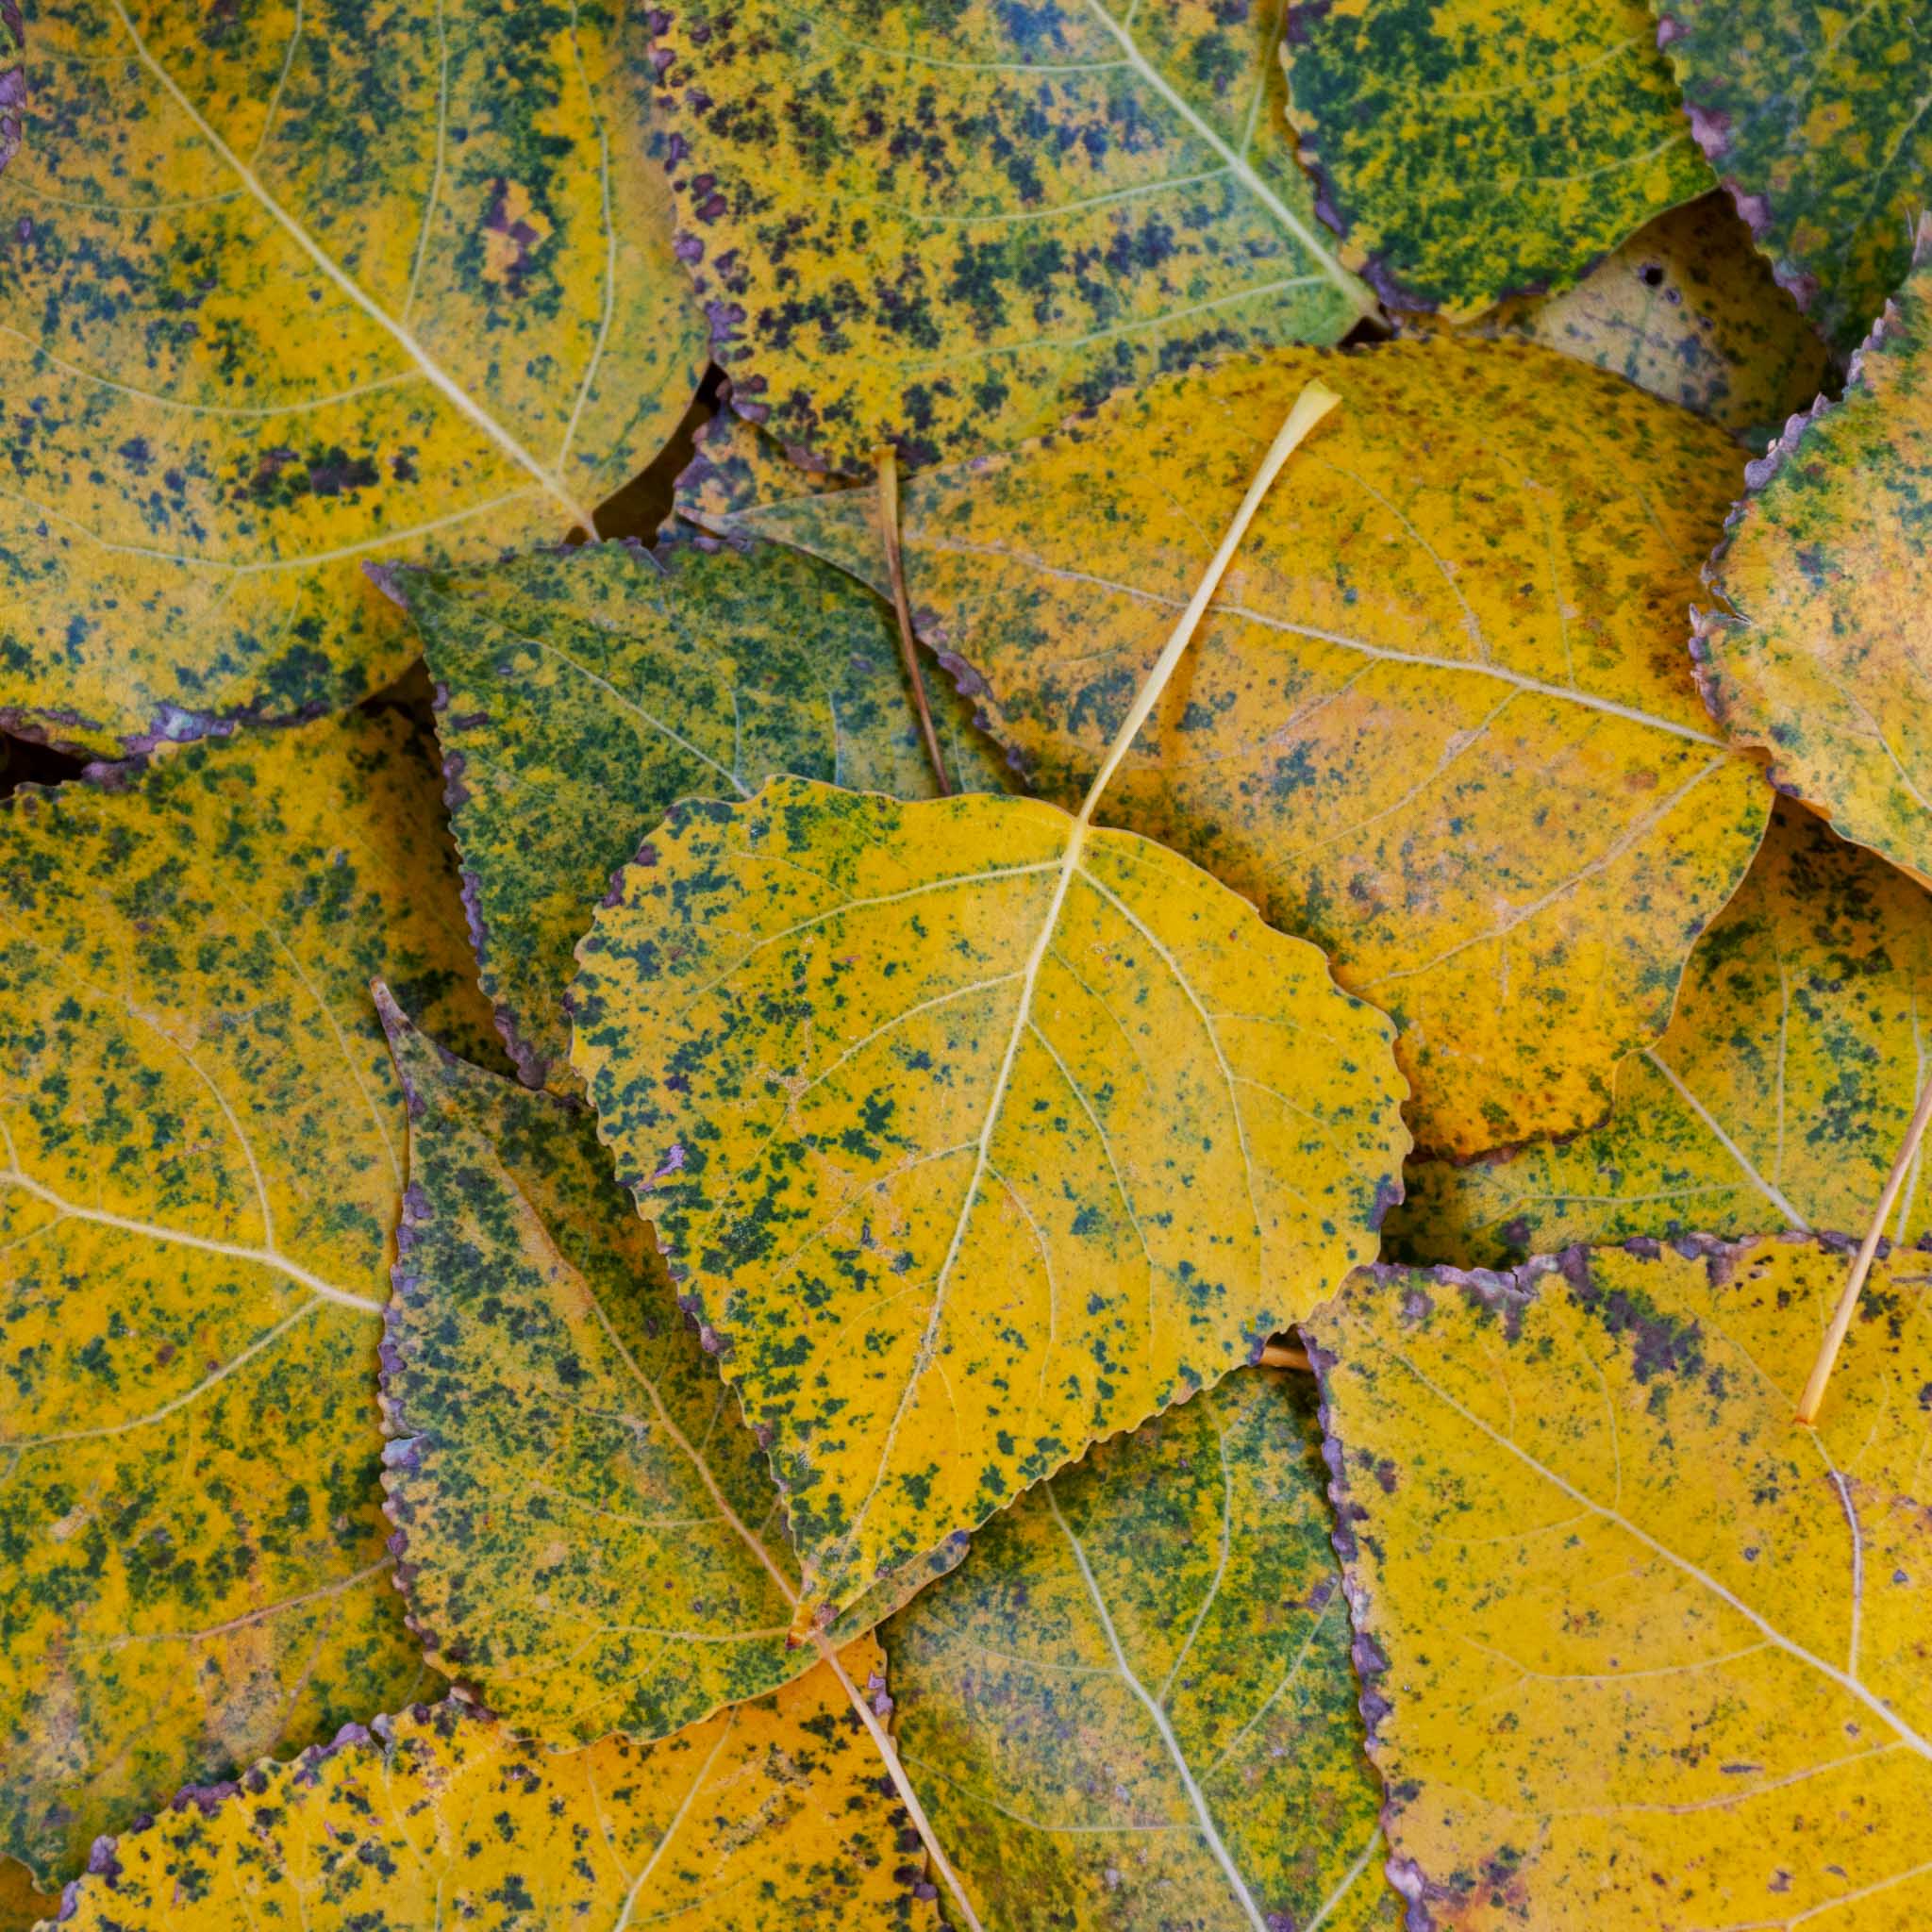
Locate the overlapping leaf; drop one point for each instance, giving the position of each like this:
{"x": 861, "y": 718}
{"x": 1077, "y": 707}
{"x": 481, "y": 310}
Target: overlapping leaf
{"x": 947, "y": 227}
{"x": 203, "y": 1147}
{"x": 1820, "y": 654}
{"x": 1778, "y": 1097}
{"x": 583, "y": 691}
{"x": 1133, "y": 1706}
{"x": 972, "y": 1134}
{"x": 1815, "y": 117}
{"x": 767, "y": 1819}
{"x": 1642, "y": 1652}
{"x": 1469, "y": 150}
{"x": 589, "y": 1535}
{"x": 1441, "y": 721}
{"x": 280, "y": 290}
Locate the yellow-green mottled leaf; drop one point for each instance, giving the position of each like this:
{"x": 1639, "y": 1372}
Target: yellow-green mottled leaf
{"x": 200, "y": 1172}
{"x": 12, "y": 80}
{"x": 1644, "y": 1655}
{"x": 1132, "y": 1708}
{"x": 1469, "y": 149}
{"x": 945, "y": 227}
{"x": 1818, "y": 655}
{"x": 284, "y": 288}
{"x": 971, "y": 1135}
{"x": 768, "y": 1818}
{"x": 1441, "y": 719}
{"x": 581, "y": 692}
{"x": 1777, "y": 1098}
{"x": 589, "y": 1535}
{"x": 1814, "y": 115}
{"x": 1686, "y": 309}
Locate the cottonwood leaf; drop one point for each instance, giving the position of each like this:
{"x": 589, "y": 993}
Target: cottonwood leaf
{"x": 767, "y": 1817}
{"x": 970, "y": 1134}
{"x": 1778, "y": 1097}
{"x": 203, "y": 1147}
{"x": 287, "y": 290}
{"x": 1133, "y": 1706}
{"x": 946, "y": 229}
{"x": 1825, "y": 572}
{"x": 588, "y": 1534}
{"x": 581, "y": 692}
{"x": 1467, "y": 150}
{"x": 1441, "y": 721}
{"x": 1642, "y": 1652}
{"x": 1815, "y": 119}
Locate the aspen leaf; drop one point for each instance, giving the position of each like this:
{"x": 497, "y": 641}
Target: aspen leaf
{"x": 203, "y": 1147}
{"x": 1441, "y": 721}
{"x": 1641, "y": 1652}
{"x": 766, "y": 1819}
{"x": 1777, "y": 1097}
{"x": 581, "y": 692}
{"x": 588, "y": 1534}
{"x": 280, "y": 290}
{"x": 1467, "y": 150}
{"x": 1826, "y": 571}
{"x": 944, "y": 230}
{"x": 1133, "y": 1706}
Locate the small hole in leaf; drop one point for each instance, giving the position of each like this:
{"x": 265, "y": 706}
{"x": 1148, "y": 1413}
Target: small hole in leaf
{"x": 1651, "y": 274}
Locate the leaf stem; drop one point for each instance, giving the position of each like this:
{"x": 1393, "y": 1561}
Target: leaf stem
{"x": 1848, "y": 1301}
{"x": 908, "y": 647}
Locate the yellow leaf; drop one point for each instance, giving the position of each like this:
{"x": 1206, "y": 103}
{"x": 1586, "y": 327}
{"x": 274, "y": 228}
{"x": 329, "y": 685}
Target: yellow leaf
{"x": 201, "y": 1146}
{"x": 766, "y": 1819}
{"x": 285, "y": 290}
{"x": 1826, "y": 574}
{"x": 1642, "y": 1653}
{"x": 1778, "y": 1097}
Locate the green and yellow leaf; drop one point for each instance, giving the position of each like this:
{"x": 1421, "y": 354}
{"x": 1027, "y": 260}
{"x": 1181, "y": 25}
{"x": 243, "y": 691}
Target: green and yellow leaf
{"x": 1816, "y": 656}
{"x": 766, "y": 1819}
{"x": 1778, "y": 1097}
{"x": 12, "y": 80}
{"x": 1467, "y": 149}
{"x": 945, "y": 229}
{"x": 203, "y": 1145}
{"x": 589, "y": 1535}
{"x": 1642, "y": 1653}
{"x": 285, "y": 291}
{"x": 582, "y": 692}
{"x": 972, "y": 1134}
{"x": 1133, "y": 1706}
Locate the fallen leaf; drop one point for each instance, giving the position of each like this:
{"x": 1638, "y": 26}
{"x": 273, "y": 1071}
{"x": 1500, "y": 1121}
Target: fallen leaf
{"x": 1778, "y": 1096}
{"x": 1133, "y": 1706}
{"x": 22, "y": 1904}
{"x": 203, "y": 1147}
{"x": 282, "y": 292}
{"x": 1467, "y": 150}
{"x": 766, "y": 1819}
{"x": 1825, "y": 572}
{"x": 1639, "y": 1652}
{"x": 581, "y": 692}
{"x": 945, "y": 231}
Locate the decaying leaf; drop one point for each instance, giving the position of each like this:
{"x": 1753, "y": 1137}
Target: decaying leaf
{"x": 946, "y": 228}
{"x": 1688, "y": 311}
{"x": 766, "y": 1819}
{"x": 1778, "y": 1097}
{"x": 1815, "y": 118}
{"x": 1133, "y": 1706}
{"x": 972, "y": 1134}
{"x": 203, "y": 1147}
{"x": 1468, "y": 150}
{"x": 1442, "y": 720}
{"x": 583, "y": 691}
{"x": 280, "y": 290}
{"x": 1641, "y": 1652}
{"x": 1819, "y": 655}
{"x": 23, "y": 1904}
{"x": 589, "y": 1535}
